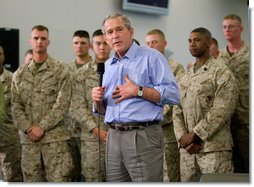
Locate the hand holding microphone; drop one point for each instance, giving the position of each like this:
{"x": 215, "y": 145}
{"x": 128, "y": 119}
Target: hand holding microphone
{"x": 100, "y": 72}
{"x": 98, "y": 92}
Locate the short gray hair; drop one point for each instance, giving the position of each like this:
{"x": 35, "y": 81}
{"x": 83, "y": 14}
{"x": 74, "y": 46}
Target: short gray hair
{"x": 126, "y": 20}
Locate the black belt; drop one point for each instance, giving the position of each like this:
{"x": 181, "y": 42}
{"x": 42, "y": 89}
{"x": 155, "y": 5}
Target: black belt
{"x": 130, "y": 126}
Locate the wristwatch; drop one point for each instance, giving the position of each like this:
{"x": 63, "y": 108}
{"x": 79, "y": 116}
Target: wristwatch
{"x": 140, "y": 91}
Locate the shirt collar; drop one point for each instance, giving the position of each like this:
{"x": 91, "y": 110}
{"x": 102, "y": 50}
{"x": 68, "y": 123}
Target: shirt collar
{"x": 45, "y": 65}
{"x": 130, "y": 53}
{"x": 207, "y": 65}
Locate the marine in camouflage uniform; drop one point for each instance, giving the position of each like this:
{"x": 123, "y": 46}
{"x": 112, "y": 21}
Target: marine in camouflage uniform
{"x": 10, "y": 157}
{"x": 202, "y": 120}
{"x": 236, "y": 56}
{"x": 171, "y": 163}
{"x": 73, "y": 125}
{"x": 91, "y": 144}
{"x": 42, "y": 97}
{"x": 83, "y": 80}
{"x": 80, "y": 46}
{"x": 239, "y": 65}
{"x": 82, "y": 123}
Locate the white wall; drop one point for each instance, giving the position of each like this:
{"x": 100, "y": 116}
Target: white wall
{"x": 63, "y": 17}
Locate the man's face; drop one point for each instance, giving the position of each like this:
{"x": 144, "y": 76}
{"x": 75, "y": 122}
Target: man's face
{"x": 117, "y": 35}
{"x": 81, "y": 46}
{"x": 156, "y": 41}
{"x": 213, "y": 50}
{"x": 100, "y": 48}
{"x": 232, "y": 29}
{"x": 198, "y": 44}
{"x": 28, "y": 58}
{"x": 39, "y": 41}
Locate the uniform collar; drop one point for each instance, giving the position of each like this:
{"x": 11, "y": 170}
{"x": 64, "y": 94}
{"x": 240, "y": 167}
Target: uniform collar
{"x": 45, "y": 65}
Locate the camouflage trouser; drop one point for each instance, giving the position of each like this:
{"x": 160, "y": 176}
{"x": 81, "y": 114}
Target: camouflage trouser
{"x": 192, "y": 166}
{"x": 240, "y": 134}
{"x": 74, "y": 144}
{"x": 10, "y": 164}
{"x": 171, "y": 163}
{"x": 54, "y": 157}
{"x": 90, "y": 161}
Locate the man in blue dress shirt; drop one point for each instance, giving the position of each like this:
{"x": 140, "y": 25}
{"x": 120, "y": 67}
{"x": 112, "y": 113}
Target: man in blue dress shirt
{"x": 137, "y": 83}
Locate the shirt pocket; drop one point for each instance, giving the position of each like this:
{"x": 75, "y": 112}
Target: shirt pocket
{"x": 26, "y": 90}
{"x": 205, "y": 94}
{"x": 183, "y": 91}
{"x": 50, "y": 91}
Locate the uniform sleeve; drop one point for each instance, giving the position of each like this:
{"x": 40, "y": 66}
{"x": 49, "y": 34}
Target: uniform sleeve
{"x": 18, "y": 109}
{"x": 61, "y": 106}
{"x": 178, "y": 122}
{"x": 222, "y": 108}
{"x": 82, "y": 100}
{"x": 85, "y": 117}
{"x": 179, "y": 71}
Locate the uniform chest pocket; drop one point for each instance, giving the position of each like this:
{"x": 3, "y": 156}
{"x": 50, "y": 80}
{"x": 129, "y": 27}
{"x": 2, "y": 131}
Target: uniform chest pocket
{"x": 26, "y": 90}
{"x": 205, "y": 94}
{"x": 50, "y": 88}
{"x": 50, "y": 91}
{"x": 183, "y": 89}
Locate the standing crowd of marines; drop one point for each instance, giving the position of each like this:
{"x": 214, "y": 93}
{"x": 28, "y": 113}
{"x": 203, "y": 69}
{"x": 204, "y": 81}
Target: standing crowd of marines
{"x": 50, "y": 132}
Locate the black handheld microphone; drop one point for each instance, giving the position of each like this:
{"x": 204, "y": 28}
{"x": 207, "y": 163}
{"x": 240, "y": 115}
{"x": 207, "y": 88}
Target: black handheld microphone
{"x": 100, "y": 72}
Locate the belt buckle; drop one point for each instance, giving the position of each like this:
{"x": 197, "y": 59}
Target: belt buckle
{"x": 120, "y": 127}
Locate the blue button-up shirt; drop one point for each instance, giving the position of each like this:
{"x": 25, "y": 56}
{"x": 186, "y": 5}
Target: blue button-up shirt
{"x": 145, "y": 67}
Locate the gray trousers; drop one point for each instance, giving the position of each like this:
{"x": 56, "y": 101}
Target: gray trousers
{"x": 135, "y": 155}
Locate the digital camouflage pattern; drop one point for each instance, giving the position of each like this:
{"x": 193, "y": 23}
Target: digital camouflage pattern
{"x": 90, "y": 161}
{"x": 171, "y": 165}
{"x": 42, "y": 97}
{"x": 2, "y": 111}
{"x": 208, "y": 99}
{"x": 80, "y": 111}
{"x": 239, "y": 65}
{"x": 210, "y": 162}
{"x": 58, "y": 162}
{"x": 171, "y": 162}
{"x": 10, "y": 136}
{"x": 83, "y": 119}
{"x": 10, "y": 145}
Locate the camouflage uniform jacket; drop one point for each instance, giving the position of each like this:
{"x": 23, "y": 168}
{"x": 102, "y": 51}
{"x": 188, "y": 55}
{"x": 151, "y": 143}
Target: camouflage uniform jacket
{"x": 81, "y": 117}
{"x": 167, "y": 122}
{"x": 42, "y": 97}
{"x": 208, "y": 99}
{"x": 11, "y": 135}
{"x": 2, "y": 107}
{"x": 239, "y": 65}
